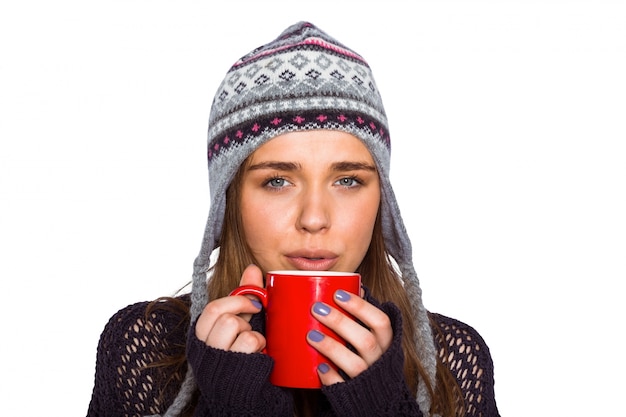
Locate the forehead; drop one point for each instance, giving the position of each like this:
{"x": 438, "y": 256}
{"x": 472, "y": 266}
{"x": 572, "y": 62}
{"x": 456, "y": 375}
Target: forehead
{"x": 313, "y": 145}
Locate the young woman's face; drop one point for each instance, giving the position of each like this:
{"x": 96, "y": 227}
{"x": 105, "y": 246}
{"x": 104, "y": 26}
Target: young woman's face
{"x": 309, "y": 201}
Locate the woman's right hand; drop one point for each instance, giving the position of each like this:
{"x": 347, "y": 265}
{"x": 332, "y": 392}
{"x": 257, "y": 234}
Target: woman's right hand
{"x": 224, "y": 323}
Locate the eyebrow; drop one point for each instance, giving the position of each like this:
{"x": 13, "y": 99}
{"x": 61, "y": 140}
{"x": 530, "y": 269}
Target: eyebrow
{"x": 353, "y": 166}
{"x": 278, "y": 166}
{"x": 292, "y": 166}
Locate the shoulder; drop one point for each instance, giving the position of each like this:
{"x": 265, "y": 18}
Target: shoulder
{"x": 152, "y": 323}
{"x": 460, "y": 340}
{"x": 455, "y": 329}
{"x": 147, "y": 317}
{"x": 143, "y": 333}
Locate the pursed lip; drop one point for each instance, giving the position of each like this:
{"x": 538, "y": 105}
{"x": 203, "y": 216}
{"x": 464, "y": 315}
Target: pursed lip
{"x": 312, "y": 260}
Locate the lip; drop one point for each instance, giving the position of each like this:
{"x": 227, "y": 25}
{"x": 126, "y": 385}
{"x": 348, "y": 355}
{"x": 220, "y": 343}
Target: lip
{"x": 312, "y": 260}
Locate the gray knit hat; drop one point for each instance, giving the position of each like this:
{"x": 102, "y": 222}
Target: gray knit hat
{"x": 303, "y": 80}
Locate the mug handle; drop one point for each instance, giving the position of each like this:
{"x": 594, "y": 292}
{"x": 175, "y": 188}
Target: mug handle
{"x": 251, "y": 290}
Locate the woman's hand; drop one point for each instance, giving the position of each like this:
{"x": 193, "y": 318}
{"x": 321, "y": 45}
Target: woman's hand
{"x": 370, "y": 343}
{"x": 224, "y": 323}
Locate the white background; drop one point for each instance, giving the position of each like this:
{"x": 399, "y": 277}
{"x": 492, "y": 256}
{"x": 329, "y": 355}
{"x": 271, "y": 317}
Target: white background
{"x": 508, "y": 129}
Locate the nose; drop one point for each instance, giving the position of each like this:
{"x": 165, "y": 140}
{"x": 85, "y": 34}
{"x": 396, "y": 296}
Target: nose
{"x": 314, "y": 211}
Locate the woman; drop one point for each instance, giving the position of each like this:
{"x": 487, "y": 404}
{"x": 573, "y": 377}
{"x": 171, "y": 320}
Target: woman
{"x": 299, "y": 177}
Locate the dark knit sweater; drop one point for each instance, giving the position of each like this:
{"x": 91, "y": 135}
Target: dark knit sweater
{"x": 236, "y": 384}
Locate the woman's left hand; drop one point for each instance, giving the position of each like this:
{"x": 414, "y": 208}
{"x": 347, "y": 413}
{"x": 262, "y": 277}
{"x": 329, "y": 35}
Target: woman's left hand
{"x": 370, "y": 343}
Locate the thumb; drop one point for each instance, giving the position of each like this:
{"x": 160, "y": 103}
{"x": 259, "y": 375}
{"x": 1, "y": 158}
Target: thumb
{"x": 252, "y": 275}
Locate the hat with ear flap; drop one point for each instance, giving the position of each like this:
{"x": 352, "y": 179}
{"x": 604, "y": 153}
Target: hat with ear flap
{"x": 303, "y": 80}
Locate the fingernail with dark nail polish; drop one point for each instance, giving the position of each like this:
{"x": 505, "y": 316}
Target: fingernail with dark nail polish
{"x": 341, "y": 295}
{"x": 323, "y": 368}
{"x": 315, "y": 336}
{"x": 321, "y": 309}
{"x": 257, "y": 304}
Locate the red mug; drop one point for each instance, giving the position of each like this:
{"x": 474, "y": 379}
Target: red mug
{"x": 288, "y": 299}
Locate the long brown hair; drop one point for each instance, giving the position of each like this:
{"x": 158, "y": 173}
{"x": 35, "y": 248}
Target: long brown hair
{"x": 378, "y": 274}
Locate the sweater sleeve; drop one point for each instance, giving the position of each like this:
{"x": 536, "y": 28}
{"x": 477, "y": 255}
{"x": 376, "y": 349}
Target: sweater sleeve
{"x": 104, "y": 402}
{"x": 381, "y": 390}
{"x": 125, "y": 384}
{"x": 463, "y": 350}
{"x": 235, "y": 384}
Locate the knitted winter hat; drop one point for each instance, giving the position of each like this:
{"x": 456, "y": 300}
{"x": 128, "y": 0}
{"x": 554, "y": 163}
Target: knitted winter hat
{"x": 303, "y": 80}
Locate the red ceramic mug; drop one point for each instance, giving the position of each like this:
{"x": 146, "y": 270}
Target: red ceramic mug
{"x": 288, "y": 299}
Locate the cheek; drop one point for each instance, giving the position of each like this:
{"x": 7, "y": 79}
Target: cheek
{"x": 253, "y": 221}
{"x": 363, "y": 225}
{"x": 261, "y": 224}
{"x": 360, "y": 224}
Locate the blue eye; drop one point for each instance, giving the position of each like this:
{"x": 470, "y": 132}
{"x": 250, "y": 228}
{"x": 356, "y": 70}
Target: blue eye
{"x": 277, "y": 182}
{"x": 348, "y": 182}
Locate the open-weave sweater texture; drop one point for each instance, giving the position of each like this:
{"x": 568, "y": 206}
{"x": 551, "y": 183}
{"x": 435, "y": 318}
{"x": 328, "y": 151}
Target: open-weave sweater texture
{"x": 237, "y": 384}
